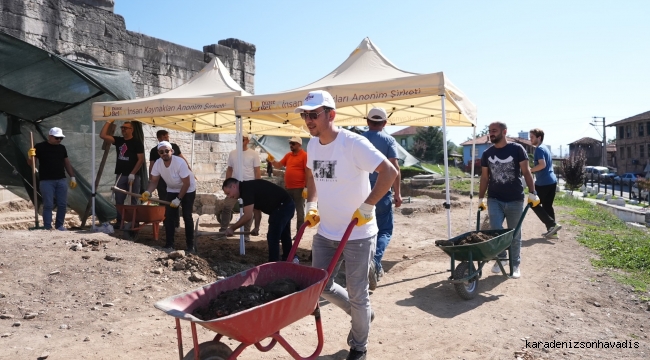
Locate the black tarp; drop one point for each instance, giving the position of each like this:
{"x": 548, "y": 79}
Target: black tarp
{"x": 40, "y": 90}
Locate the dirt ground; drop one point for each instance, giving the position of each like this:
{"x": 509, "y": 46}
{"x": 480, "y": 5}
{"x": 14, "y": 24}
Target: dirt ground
{"x": 83, "y": 295}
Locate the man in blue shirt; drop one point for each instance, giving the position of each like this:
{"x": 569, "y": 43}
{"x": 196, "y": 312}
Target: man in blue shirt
{"x": 385, "y": 143}
{"x": 504, "y": 167}
{"x": 545, "y": 184}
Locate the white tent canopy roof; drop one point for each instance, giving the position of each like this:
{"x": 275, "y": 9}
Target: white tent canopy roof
{"x": 368, "y": 79}
{"x": 204, "y": 104}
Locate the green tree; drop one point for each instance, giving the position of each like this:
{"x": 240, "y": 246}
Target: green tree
{"x": 427, "y": 144}
{"x": 485, "y": 131}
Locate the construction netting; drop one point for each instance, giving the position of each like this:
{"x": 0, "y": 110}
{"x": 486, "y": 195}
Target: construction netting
{"x": 40, "y": 90}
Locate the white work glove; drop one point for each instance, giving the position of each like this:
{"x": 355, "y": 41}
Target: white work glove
{"x": 533, "y": 199}
{"x": 364, "y": 214}
{"x": 482, "y": 204}
{"x": 312, "y": 217}
{"x": 175, "y": 203}
{"x": 145, "y": 196}
{"x": 73, "y": 182}
{"x": 131, "y": 178}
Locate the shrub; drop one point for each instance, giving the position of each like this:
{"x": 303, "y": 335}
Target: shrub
{"x": 572, "y": 169}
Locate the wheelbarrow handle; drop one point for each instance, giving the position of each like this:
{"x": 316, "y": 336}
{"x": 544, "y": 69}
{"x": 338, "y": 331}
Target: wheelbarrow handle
{"x": 116, "y": 189}
{"x": 478, "y": 219}
{"x": 339, "y": 249}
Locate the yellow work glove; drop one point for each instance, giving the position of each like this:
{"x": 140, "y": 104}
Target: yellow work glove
{"x": 270, "y": 157}
{"x": 482, "y": 204}
{"x": 312, "y": 217}
{"x": 364, "y": 214}
{"x": 304, "y": 193}
{"x": 145, "y": 196}
{"x": 73, "y": 182}
{"x": 533, "y": 199}
{"x": 31, "y": 152}
{"x": 175, "y": 203}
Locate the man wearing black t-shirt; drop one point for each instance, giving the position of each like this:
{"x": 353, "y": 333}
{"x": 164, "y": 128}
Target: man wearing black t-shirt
{"x": 261, "y": 196}
{"x": 52, "y": 160}
{"x": 505, "y": 168}
{"x": 130, "y": 157}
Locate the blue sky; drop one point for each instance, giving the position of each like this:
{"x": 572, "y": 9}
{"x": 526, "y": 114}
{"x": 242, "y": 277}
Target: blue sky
{"x": 548, "y": 64}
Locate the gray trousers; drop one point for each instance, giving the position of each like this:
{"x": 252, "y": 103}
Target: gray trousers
{"x": 355, "y": 301}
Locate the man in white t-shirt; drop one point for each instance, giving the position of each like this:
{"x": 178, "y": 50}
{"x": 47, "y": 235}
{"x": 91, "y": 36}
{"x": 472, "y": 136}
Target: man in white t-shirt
{"x": 338, "y": 165}
{"x": 181, "y": 190}
{"x": 250, "y": 171}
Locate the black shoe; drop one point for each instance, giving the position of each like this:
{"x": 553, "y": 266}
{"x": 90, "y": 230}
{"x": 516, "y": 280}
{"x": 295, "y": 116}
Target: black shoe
{"x": 356, "y": 355}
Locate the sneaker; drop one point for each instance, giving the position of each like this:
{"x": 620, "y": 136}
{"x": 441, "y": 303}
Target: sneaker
{"x": 552, "y": 230}
{"x": 496, "y": 269}
{"x": 247, "y": 238}
{"x": 168, "y": 249}
{"x": 296, "y": 260}
{"x": 372, "y": 276}
{"x": 554, "y": 236}
{"x": 61, "y": 228}
{"x": 380, "y": 274}
{"x": 356, "y": 355}
{"x": 191, "y": 250}
{"x": 516, "y": 274}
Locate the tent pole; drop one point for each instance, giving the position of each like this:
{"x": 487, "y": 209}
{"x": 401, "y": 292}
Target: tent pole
{"x": 471, "y": 181}
{"x": 92, "y": 171}
{"x": 446, "y": 160}
{"x": 192, "y": 154}
{"x": 240, "y": 175}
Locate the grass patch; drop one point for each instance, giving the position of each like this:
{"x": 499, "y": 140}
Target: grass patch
{"x": 618, "y": 245}
{"x": 462, "y": 185}
{"x": 440, "y": 169}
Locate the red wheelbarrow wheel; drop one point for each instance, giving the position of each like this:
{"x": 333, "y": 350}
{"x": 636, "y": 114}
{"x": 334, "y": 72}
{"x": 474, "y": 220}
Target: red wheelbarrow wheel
{"x": 211, "y": 350}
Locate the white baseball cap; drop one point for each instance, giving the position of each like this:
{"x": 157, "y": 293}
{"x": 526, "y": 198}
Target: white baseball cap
{"x": 56, "y": 132}
{"x": 377, "y": 114}
{"x": 296, "y": 139}
{"x": 164, "y": 144}
{"x": 316, "y": 99}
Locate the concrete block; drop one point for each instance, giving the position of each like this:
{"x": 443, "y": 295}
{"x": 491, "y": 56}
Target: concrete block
{"x": 600, "y": 196}
{"x": 617, "y": 202}
{"x": 607, "y": 197}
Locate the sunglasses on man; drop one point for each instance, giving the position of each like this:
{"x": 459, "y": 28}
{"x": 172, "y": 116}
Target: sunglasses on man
{"x": 165, "y": 151}
{"x": 58, "y": 138}
{"x": 310, "y": 115}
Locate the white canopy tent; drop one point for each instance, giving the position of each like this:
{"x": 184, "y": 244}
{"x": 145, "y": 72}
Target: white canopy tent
{"x": 204, "y": 104}
{"x": 368, "y": 79}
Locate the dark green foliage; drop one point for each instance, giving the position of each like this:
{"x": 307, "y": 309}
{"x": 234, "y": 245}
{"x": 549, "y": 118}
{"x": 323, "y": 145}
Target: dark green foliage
{"x": 572, "y": 169}
{"x": 428, "y": 144}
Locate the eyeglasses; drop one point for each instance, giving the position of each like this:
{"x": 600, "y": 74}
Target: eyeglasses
{"x": 125, "y": 127}
{"x": 311, "y": 115}
{"x": 58, "y": 138}
{"x": 166, "y": 151}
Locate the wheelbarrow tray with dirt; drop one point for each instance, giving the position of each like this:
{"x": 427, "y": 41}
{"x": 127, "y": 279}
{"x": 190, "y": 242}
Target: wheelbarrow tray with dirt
{"x": 257, "y": 323}
{"x": 465, "y": 276}
{"x": 253, "y": 325}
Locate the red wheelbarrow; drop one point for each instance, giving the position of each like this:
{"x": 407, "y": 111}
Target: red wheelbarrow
{"x": 252, "y": 326}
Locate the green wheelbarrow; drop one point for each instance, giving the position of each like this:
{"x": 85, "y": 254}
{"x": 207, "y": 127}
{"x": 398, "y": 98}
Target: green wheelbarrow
{"x": 465, "y": 276}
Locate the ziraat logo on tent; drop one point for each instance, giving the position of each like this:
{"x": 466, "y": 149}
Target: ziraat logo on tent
{"x": 113, "y": 111}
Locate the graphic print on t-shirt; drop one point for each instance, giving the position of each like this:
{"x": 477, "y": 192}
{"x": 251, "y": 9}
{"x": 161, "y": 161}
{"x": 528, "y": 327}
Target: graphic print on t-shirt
{"x": 502, "y": 171}
{"x": 123, "y": 150}
{"x": 324, "y": 169}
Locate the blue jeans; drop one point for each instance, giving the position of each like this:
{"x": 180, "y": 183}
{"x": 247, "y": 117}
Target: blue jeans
{"x": 51, "y": 189}
{"x": 510, "y": 211}
{"x": 355, "y": 301}
{"x": 384, "y": 215}
{"x": 280, "y": 231}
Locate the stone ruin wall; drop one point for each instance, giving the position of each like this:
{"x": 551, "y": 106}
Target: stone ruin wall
{"x": 88, "y": 31}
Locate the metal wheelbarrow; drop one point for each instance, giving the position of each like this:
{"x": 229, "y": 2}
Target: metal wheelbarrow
{"x": 253, "y": 325}
{"x": 465, "y": 276}
{"x": 136, "y": 214}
